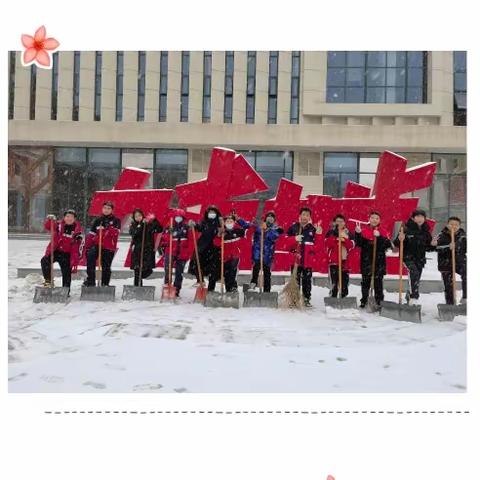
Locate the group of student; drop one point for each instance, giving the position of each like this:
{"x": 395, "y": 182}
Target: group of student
{"x": 215, "y": 230}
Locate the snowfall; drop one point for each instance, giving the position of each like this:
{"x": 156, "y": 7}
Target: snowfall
{"x": 156, "y": 347}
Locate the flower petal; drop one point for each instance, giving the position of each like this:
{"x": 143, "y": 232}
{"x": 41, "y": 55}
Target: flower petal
{"x": 27, "y": 41}
{"x": 40, "y": 34}
{"x": 43, "y": 58}
{"x": 50, "y": 44}
{"x": 29, "y": 54}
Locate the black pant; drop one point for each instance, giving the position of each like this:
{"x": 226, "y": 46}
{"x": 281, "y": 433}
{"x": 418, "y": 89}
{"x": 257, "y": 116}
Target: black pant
{"x": 448, "y": 284}
{"x": 267, "y": 276}
{"x": 63, "y": 260}
{"x": 334, "y": 281}
{"x": 146, "y": 272}
{"x": 107, "y": 258}
{"x": 230, "y": 276}
{"x": 415, "y": 273}
{"x": 377, "y": 286}
{"x": 304, "y": 279}
{"x": 179, "y": 266}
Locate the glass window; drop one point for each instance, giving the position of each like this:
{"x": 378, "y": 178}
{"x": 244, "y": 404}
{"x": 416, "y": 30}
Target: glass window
{"x": 97, "y": 110}
{"x": 76, "y": 86}
{"x": 251, "y": 74}
{"x": 272, "y": 87}
{"x": 33, "y": 90}
{"x": 376, "y": 77}
{"x": 171, "y": 168}
{"x": 162, "y": 107}
{"x": 11, "y": 84}
{"x": 119, "y": 88}
{"x": 141, "y": 87}
{"x": 184, "y": 88}
{"x": 460, "y": 88}
{"x": 207, "y": 87}
{"x": 228, "y": 88}
{"x": 54, "y": 96}
{"x": 338, "y": 169}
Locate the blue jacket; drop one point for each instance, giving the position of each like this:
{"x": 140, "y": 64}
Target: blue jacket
{"x": 270, "y": 237}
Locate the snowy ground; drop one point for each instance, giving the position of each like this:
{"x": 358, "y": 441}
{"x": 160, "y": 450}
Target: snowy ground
{"x": 153, "y": 347}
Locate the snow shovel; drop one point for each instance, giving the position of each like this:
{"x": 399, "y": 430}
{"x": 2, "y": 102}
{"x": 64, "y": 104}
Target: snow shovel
{"x": 340, "y": 302}
{"x": 132, "y": 292}
{"x": 399, "y": 311}
{"x": 169, "y": 292}
{"x": 201, "y": 291}
{"x": 51, "y": 294}
{"x": 446, "y": 312}
{"x": 371, "y": 303}
{"x": 222, "y": 299}
{"x": 98, "y": 293}
{"x": 261, "y": 298}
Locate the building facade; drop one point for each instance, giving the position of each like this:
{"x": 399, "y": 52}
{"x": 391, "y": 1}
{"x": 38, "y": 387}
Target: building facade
{"x": 317, "y": 118}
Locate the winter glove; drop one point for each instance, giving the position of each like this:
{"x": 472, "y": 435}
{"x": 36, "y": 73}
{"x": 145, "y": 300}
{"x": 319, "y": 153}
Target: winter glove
{"x": 298, "y": 238}
{"x": 376, "y": 233}
{"x": 51, "y": 217}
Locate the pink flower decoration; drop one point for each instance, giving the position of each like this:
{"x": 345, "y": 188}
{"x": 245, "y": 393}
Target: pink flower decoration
{"x": 330, "y": 477}
{"x": 37, "y": 48}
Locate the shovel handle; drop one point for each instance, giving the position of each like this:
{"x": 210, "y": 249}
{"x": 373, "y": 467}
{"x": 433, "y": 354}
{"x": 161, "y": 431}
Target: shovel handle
{"x": 340, "y": 286}
{"x": 197, "y": 257}
{"x": 400, "y": 273}
{"x": 171, "y": 254}
{"x": 100, "y": 236}
{"x": 262, "y": 241}
{"x": 52, "y": 250}
{"x": 454, "y": 267}
{"x": 144, "y": 228}
{"x": 374, "y": 258}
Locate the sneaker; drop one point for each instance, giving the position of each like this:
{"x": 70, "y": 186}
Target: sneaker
{"x": 47, "y": 284}
{"x": 252, "y": 286}
{"x": 234, "y": 290}
{"x": 196, "y": 284}
{"x": 414, "y": 301}
{"x": 463, "y": 301}
{"x": 306, "y": 303}
{"x": 363, "y": 304}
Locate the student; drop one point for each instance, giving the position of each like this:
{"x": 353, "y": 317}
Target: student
{"x": 108, "y": 226}
{"x": 152, "y": 226}
{"x": 66, "y": 245}
{"x": 444, "y": 248}
{"x": 364, "y": 239}
{"x": 209, "y": 253}
{"x": 180, "y": 248}
{"x": 232, "y": 233}
{"x": 417, "y": 240}
{"x": 331, "y": 244}
{"x": 302, "y": 240}
{"x": 270, "y": 236}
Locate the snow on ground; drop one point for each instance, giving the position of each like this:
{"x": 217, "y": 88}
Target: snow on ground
{"x": 154, "y": 347}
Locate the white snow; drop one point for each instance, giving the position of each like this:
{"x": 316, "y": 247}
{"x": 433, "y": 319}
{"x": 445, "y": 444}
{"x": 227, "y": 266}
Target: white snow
{"x": 154, "y": 347}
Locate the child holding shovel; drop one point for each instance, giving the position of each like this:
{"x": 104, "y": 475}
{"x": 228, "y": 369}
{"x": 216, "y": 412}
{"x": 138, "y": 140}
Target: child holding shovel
{"x": 338, "y": 233}
{"x": 64, "y": 246}
{"x": 107, "y": 226}
{"x": 176, "y": 236}
{"x": 445, "y": 246}
{"x": 143, "y": 230}
{"x": 371, "y": 239}
{"x": 301, "y": 240}
{"x": 271, "y": 232}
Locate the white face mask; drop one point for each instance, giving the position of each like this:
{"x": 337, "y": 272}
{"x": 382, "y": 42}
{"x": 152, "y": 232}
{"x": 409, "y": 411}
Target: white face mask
{"x": 178, "y": 219}
{"x": 212, "y": 215}
{"x": 229, "y": 226}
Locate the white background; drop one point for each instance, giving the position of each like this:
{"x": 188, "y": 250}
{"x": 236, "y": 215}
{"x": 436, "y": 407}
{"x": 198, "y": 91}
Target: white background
{"x": 247, "y": 446}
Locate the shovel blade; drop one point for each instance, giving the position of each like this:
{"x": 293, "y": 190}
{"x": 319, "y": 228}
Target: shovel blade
{"x": 200, "y": 295}
{"x": 341, "y": 303}
{"x": 225, "y": 300}
{"x": 51, "y": 295}
{"x": 260, "y": 299}
{"x": 130, "y": 292}
{"x": 169, "y": 293}
{"x": 372, "y": 306}
{"x": 446, "y": 313}
{"x": 98, "y": 294}
{"x": 405, "y": 313}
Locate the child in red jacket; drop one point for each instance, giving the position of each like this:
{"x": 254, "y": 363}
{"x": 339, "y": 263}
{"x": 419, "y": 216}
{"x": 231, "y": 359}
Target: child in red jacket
{"x": 180, "y": 247}
{"x": 108, "y": 227}
{"x": 66, "y": 244}
{"x": 339, "y": 231}
{"x": 232, "y": 233}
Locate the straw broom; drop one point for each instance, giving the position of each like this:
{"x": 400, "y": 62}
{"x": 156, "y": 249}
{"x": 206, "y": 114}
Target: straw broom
{"x": 290, "y": 296}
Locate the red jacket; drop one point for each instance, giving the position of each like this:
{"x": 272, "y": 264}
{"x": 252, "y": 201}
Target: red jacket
{"x": 231, "y": 242}
{"x": 180, "y": 241}
{"x": 110, "y": 233}
{"x": 304, "y": 250}
{"x": 331, "y": 245}
{"x": 66, "y": 239}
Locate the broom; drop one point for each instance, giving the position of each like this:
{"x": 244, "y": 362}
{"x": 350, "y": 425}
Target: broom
{"x": 290, "y": 296}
